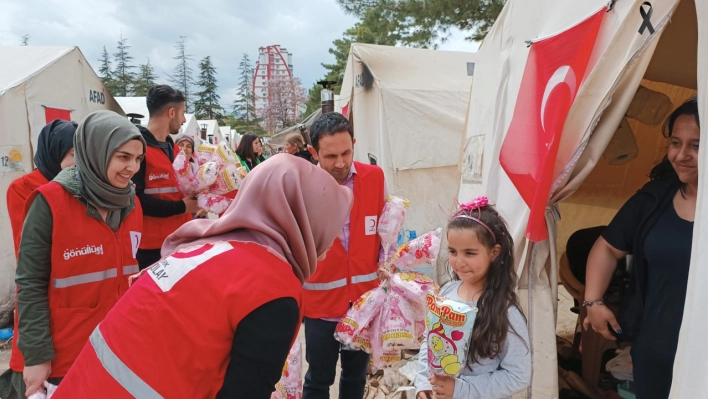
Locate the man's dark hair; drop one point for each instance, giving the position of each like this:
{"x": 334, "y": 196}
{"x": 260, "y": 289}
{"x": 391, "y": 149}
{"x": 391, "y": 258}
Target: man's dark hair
{"x": 327, "y": 125}
{"x": 160, "y": 96}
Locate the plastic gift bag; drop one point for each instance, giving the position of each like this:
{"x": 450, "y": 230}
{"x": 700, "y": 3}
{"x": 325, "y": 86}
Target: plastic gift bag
{"x": 214, "y": 203}
{"x": 360, "y": 315}
{"x": 381, "y": 358}
{"x": 206, "y": 175}
{"x": 449, "y": 324}
{"x": 290, "y": 384}
{"x": 391, "y": 221}
{"x": 397, "y": 323}
{"x": 417, "y": 252}
{"x": 206, "y": 152}
{"x": 227, "y": 180}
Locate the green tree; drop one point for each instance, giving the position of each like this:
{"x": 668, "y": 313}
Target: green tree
{"x": 105, "y": 71}
{"x": 206, "y": 105}
{"x": 427, "y": 23}
{"x": 314, "y": 100}
{"x": 145, "y": 80}
{"x": 123, "y": 75}
{"x": 182, "y": 77}
{"x": 243, "y": 105}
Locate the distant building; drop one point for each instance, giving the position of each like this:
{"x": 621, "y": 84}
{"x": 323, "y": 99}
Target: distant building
{"x": 273, "y": 61}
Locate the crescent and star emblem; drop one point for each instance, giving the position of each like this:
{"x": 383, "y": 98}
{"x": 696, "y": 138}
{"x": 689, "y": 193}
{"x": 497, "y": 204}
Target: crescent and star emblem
{"x": 562, "y": 75}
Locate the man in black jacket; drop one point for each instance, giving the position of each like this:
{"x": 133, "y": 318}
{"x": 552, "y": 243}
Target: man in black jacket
{"x": 164, "y": 209}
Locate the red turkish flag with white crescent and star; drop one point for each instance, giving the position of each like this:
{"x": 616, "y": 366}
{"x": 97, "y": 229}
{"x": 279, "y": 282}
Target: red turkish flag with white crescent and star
{"x": 552, "y": 77}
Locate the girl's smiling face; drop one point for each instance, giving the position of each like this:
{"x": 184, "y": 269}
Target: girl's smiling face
{"x": 469, "y": 258}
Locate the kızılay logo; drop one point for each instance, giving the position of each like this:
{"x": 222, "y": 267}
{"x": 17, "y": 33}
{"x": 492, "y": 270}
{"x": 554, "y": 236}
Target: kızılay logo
{"x": 161, "y": 176}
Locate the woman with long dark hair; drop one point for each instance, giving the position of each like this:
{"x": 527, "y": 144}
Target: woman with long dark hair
{"x": 481, "y": 258}
{"x": 250, "y": 151}
{"x": 656, "y": 227}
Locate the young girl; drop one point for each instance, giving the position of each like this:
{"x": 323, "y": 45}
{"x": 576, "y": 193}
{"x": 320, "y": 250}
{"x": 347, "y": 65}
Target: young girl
{"x": 482, "y": 260}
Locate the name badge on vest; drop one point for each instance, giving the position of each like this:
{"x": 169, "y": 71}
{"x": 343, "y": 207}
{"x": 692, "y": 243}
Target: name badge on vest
{"x": 135, "y": 237}
{"x": 370, "y": 225}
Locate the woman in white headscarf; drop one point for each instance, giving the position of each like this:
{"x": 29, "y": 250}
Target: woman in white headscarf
{"x": 77, "y": 250}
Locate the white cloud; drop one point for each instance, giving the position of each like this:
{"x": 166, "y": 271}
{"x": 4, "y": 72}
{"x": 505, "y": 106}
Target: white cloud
{"x": 223, "y": 29}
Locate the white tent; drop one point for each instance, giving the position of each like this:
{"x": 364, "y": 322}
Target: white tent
{"x": 190, "y": 127}
{"x": 672, "y": 61}
{"x": 212, "y": 128}
{"x": 135, "y": 105}
{"x": 225, "y": 132}
{"x": 37, "y": 84}
{"x": 408, "y": 109}
{"x": 278, "y": 139}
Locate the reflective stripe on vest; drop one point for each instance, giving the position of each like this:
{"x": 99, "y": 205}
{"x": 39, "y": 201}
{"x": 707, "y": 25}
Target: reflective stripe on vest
{"x": 118, "y": 370}
{"x": 325, "y": 286}
{"x": 85, "y": 278}
{"x": 364, "y": 278}
{"x": 161, "y": 190}
{"x": 131, "y": 269}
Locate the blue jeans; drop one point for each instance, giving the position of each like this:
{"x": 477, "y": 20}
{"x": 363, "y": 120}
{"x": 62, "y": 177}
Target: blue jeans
{"x": 322, "y": 352}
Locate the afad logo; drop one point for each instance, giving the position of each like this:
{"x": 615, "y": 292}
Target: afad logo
{"x": 161, "y": 176}
{"x": 87, "y": 250}
{"x": 446, "y": 314}
{"x": 97, "y": 97}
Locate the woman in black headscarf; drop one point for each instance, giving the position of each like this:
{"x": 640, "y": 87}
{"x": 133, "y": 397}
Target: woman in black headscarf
{"x": 55, "y": 151}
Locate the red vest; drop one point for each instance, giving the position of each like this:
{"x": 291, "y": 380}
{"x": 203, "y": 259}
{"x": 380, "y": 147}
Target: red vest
{"x": 90, "y": 269}
{"x": 161, "y": 182}
{"x": 17, "y": 195}
{"x": 171, "y": 336}
{"x": 343, "y": 276}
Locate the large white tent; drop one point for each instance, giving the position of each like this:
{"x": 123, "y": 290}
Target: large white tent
{"x": 37, "y": 84}
{"x": 673, "y": 61}
{"x": 190, "y": 127}
{"x": 408, "y": 109}
{"x": 212, "y": 128}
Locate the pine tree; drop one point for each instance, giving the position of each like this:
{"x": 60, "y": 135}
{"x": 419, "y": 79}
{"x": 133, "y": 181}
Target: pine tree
{"x": 145, "y": 80}
{"x": 243, "y": 106}
{"x": 123, "y": 75}
{"x": 182, "y": 77}
{"x": 106, "y": 73}
{"x": 25, "y": 40}
{"x": 206, "y": 105}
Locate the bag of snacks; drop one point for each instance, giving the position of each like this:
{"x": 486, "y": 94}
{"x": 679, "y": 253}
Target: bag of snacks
{"x": 449, "y": 324}
{"x": 419, "y": 251}
{"x": 206, "y": 152}
{"x": 206, "y": 175}
{"x": 213, "y": 203}
{"x": 290, "y": 384}
{"x": 360, "y": 315}
{"x": 397, "y": 323}
{"x": 391, "y": 221}
{"x": 227, "y": 179}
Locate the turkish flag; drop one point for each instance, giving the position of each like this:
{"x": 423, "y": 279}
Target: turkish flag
{"x": 552, "y": 77}
{"x": 51, "y": 114}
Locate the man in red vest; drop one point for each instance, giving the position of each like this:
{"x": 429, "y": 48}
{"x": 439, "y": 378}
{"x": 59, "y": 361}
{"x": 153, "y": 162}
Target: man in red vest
{"x": 165, "y": 208}
{"x": 350, "y": 268}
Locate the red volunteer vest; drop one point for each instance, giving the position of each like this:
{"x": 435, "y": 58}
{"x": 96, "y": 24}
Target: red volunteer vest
{"x": 17, "y": 195}
{"x": 171, "y": 336}
{"x": 90, "y": 269}
{"x": 343, "y": 276}
{"x": 160, "y": 182}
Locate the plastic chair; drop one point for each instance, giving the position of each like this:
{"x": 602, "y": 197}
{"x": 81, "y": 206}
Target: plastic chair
{"x": 594, "y": 344}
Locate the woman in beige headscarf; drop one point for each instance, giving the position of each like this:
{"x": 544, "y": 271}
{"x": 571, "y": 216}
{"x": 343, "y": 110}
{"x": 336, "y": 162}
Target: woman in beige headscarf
{"x": 217, "y": 316}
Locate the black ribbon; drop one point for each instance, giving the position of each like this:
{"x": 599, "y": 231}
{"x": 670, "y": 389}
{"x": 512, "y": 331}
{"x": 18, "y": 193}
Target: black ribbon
{"x": 646, "y": 16}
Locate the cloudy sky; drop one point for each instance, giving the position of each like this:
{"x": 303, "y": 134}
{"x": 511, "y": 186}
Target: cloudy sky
{"x": 223, "y": 29}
